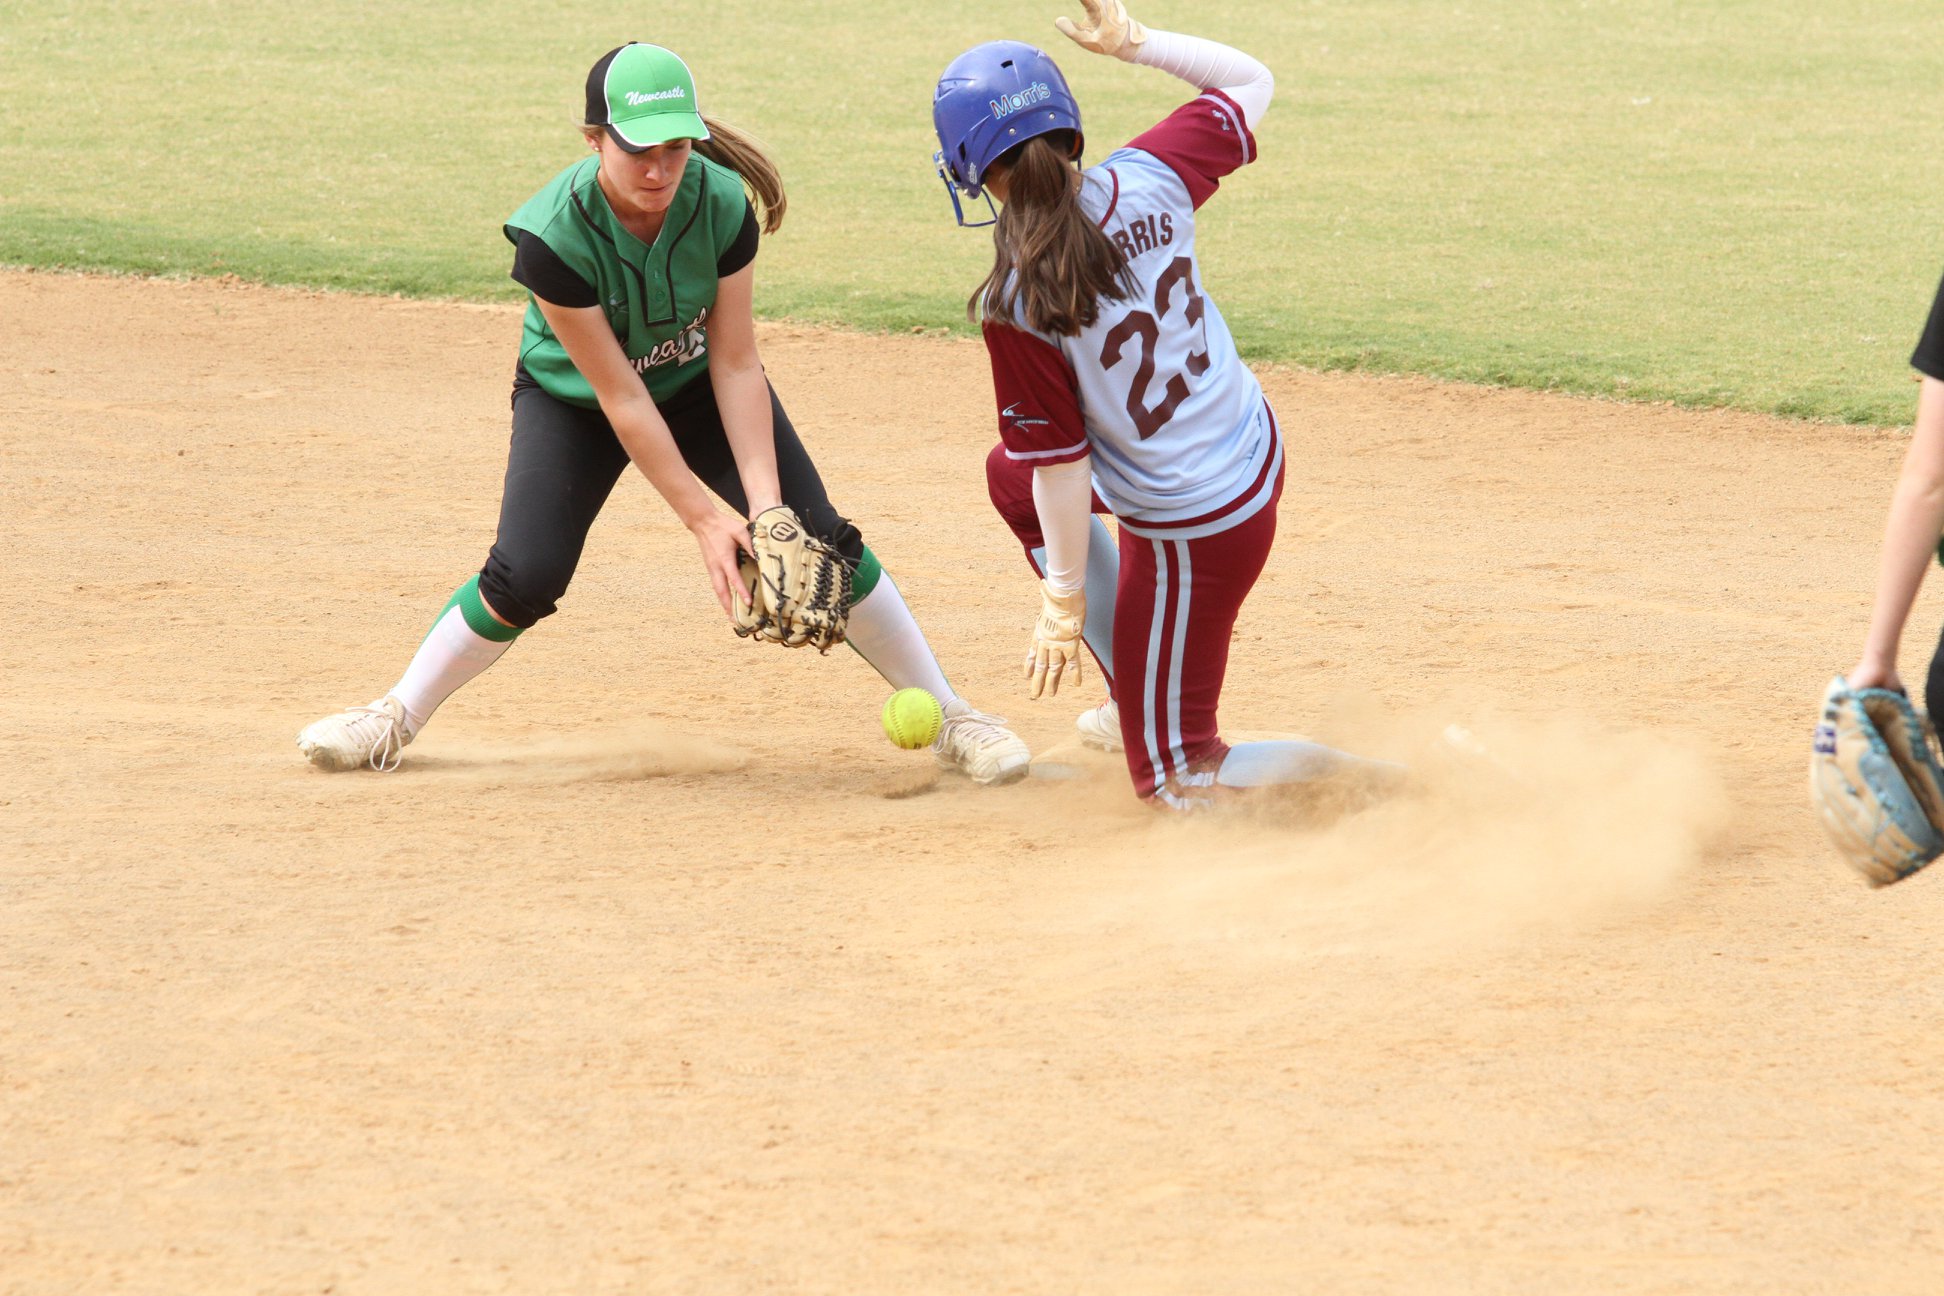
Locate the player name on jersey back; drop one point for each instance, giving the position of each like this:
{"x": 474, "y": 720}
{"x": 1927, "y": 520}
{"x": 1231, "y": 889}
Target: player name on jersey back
{"x": 1176, "y": 420}
{"x": 1180, "y": 439}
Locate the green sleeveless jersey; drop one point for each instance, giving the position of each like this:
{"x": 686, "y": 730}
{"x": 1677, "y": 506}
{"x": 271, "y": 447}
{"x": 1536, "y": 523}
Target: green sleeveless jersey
{"x": 657, "y": 298}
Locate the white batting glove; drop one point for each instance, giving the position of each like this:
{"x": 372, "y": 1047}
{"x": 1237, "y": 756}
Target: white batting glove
{"x": 1109, "y": 29}
{"x": 1055, "y": 654}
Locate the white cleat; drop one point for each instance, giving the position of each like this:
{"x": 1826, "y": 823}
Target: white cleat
{"x": 1100, "y": 727}
{"x": 373, "y": 736}
{"x": 980, "y": 746}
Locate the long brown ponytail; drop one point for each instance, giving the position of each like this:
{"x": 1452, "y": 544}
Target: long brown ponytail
{"x": 742, "y": 153}
{"x": 1051, "y": 263}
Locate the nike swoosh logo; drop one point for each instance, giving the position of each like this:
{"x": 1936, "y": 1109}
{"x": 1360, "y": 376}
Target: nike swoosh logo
{"x": 1019, "y": 420}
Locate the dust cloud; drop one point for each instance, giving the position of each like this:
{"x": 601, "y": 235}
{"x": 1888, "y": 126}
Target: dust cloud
{"x": 1506, "y": 823}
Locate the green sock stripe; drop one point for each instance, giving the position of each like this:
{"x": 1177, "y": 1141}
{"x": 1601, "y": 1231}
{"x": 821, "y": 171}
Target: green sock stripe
{"x": 865, "y": 578}
{"x": 478, "y": 619}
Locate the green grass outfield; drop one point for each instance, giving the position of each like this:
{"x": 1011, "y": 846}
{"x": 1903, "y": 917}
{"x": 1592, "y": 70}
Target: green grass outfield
{"x": 1715, "y": 203}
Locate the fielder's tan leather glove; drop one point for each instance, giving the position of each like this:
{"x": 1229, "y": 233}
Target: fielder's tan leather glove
{"x": 802, "y": 585}
{"x": 1109, "y": 29}
{"x": 1055, "y": 654}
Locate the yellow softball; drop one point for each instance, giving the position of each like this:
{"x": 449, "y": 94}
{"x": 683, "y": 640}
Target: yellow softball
{"x": 912, "y": 718}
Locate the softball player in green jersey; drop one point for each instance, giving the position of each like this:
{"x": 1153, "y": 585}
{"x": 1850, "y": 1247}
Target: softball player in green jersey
{"x": 639, "y": 345}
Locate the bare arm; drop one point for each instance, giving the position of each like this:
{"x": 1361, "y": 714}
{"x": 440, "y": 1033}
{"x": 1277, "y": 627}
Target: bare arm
{"x": 1909, "y": 541}
{"x": 741, "y": 391}
{"x": 590, "y": 342}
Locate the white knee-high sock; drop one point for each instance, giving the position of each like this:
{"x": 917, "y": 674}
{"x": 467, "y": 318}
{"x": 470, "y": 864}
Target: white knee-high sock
{"x": 886, "y": 635}
{"x": 1103, "y": 586}
{"x": 464, "y": 641}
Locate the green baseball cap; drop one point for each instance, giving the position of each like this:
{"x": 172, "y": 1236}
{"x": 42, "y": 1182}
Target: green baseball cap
{"x": 644, "y": 95}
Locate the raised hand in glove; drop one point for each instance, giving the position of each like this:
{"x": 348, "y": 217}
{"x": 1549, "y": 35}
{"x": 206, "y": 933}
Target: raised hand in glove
{"x": 1875, "y": 782}
{"x": 1109, "y": 29}
{"x": 802, "y": 586}
{"x": 1055, "y": 654}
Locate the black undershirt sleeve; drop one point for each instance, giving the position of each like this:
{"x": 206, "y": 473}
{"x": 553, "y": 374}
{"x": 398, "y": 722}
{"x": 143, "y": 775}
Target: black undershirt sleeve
{"x": 741, "y": 252}
{"x": 1928, "y": 358}
{"x": 542, "y": 272}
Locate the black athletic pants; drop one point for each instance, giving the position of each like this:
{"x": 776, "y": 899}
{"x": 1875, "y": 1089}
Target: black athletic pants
{"x": 1934, "y": 684}
{"x": 563, "y": 462}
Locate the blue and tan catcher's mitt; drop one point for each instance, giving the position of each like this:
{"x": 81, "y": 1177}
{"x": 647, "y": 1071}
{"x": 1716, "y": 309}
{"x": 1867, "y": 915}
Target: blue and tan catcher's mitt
{"x": 1875, "y": 783}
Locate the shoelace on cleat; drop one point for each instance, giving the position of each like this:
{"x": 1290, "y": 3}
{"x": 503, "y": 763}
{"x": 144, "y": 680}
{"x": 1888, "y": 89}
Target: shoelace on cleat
{"x": 387, "y": 749}
{"x": 978, "y": 723}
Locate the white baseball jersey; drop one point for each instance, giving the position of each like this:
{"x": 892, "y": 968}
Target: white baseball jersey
{"x": 1182, "y": 443}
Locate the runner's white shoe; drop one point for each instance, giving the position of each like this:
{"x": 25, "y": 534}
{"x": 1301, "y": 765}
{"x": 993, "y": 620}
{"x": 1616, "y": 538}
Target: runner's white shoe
{"x": 372, "y": 735}
{"x": 980, "y": 745}
{"x": 1100, "y": 727}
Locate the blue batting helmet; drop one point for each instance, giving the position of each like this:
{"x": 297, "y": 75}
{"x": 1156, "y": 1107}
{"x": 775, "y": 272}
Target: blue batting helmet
{"x": 989, "y": 99}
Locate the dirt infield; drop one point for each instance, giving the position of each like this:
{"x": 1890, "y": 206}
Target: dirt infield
{"x": 657, "y": 969}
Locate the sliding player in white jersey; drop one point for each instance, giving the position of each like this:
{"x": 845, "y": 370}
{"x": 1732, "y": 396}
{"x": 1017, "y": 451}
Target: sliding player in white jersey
{"x": 1119, "y": 390}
